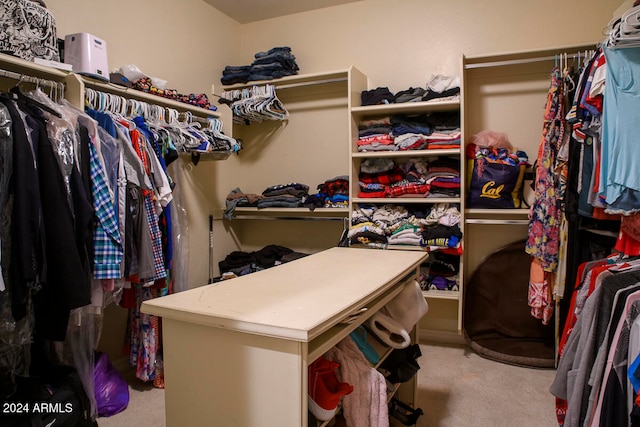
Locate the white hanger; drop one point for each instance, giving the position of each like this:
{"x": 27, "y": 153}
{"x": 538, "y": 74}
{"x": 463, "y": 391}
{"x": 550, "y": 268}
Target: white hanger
{"x": 624, "y": 31}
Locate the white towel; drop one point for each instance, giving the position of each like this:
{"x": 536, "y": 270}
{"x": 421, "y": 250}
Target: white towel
{"x": 408, "y": 307}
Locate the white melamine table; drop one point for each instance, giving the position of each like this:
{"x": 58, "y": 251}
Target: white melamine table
{"x": 236, "y": 352}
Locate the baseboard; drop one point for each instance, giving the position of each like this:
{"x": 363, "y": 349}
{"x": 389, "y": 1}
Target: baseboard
{"x": 445, "y": 337}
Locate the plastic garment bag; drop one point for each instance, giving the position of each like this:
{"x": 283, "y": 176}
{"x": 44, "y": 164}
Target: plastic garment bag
{"x": 77, "y": 349}
{"x": 180, "y": 226}
{"x": 61, "y": 132}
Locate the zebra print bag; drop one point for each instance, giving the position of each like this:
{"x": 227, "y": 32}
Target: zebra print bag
{"x": 28, "y": 30}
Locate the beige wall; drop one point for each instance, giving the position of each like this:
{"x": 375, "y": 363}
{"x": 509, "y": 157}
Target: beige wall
{"x": 396, "y": 44}
{"x": 401, "y": 43}
{"x": 186, "y": 42}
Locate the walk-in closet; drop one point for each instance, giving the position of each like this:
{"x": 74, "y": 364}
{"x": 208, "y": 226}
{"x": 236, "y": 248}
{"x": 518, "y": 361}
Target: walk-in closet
{"x": 336, "y": 213}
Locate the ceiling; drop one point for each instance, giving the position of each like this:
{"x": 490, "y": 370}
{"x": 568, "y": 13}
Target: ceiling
{"x": 245, "y": 11}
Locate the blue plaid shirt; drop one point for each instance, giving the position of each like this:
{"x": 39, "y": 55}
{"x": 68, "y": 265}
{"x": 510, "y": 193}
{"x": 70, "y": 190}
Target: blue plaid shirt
{"x": 107, "y": 243}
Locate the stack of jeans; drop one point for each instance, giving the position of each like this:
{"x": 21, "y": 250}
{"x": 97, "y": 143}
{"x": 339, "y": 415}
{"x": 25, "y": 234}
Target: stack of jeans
{"x": 272, "y": 64}
{"x": 235, "y": 74}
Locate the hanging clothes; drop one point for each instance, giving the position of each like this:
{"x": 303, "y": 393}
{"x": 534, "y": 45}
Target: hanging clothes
{"x": 94, "y": 220}
{"x": 545, "y": 215}
{"x": 47, "y": 219}
{"x": 594, "y": 345}
{"x": 619, "y": 180}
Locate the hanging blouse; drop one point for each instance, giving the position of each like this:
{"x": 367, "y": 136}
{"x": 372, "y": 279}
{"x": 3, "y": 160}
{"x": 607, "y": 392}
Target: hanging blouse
{"x": 544, "y": 217}
{"x": 619, "y": 166}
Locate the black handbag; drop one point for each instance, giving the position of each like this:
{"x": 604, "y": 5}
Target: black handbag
{"x": 28, "y": 30}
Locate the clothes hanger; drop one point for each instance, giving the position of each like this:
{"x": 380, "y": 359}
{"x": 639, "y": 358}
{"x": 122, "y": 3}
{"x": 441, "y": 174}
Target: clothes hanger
{"x": 185, "y": 139}
{"x": 567, "y": 74}
{"x": 255, "y": 104}
{"x": 20, "y": 95}
{"x": 624, "y": 32}
{"x": 220, "y": 141}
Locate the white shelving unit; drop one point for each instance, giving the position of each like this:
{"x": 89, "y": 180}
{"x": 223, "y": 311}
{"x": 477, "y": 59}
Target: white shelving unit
{"x": 75, "y": 85}
{"x": 445, "y": 313}
{"x": 493, "y": 84}
{"x": 307, "y": 148}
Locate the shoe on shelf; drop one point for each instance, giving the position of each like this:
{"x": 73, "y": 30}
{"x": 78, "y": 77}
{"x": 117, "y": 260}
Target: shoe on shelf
{"x": 324, "y": 389}
{"x": 359, "y": 336}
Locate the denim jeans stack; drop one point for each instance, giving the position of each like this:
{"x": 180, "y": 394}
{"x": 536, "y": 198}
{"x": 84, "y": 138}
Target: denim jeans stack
{"x": 272, "y": 64}
{"x": 233, "y": 74}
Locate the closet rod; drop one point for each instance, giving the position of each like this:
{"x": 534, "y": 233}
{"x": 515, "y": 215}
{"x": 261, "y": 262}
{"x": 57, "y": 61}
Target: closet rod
{"x": 29, "y": 79}
{"x": 184, "y": 114}
{"x": 516, "y": 61}
{"x": 316, "y": 82}
{"x": 288, "y": 218}
{"x": 497, "y": 221}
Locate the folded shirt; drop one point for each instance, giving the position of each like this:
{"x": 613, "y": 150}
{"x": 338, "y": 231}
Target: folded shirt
{"x": 294, "y": 188}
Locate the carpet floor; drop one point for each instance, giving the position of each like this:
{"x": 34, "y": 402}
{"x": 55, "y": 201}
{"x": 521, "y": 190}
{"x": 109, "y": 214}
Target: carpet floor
{"x": 456, "y": 388}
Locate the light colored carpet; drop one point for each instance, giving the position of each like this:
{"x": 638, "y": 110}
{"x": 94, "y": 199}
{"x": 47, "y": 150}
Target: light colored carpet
{"x": 456, "y": 388}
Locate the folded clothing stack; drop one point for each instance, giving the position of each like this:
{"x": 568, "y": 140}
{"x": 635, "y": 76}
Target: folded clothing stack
{"x": 239, "y": 263}
{"x": 440, "y": 273}
{"x": 437, "y": 130}
{"x": 273, "y": 64}
{"x": 384, "y": 178}
{"x": 290, "y": 195}
{"x": 439, "y": 87}
{"x": 332, "y": 193}
{"x": 377, "y": 226}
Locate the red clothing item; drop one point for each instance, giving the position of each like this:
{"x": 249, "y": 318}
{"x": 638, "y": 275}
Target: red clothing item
{"x": 372, "y": 194}
{"x": 411, "y": 188}
{"x": 627, "y": 245}
{"x": 386, "y": 178}
{"x": 137, "y": 142}
{"x": 381, "y": 139}
{"x": 443, "y": 146}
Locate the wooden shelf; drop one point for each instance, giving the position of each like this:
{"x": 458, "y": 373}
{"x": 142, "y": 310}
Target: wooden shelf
{"x": 406, "y": 248}
{"x": 290, "y": 213}
{"x": 497, "y": 216}
{"x": 406, "y": 153}
{"x": 297, "y": 80}
{"x": 435, "y": 294}
{"x": 147, "y": 97}
{"x": 472, "y": 213}
{"x": 19, "y": 65}
{"x": 424, "y": 108}
{"x": 406, "y": 200}
{"x": 405, "y": 108}
{"x": 505, "y": 59}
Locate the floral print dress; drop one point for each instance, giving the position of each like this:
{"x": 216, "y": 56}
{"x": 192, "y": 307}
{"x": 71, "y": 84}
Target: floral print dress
{"x": 545, "y": 213}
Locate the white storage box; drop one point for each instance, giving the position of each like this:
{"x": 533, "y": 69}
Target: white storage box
{"x": 87, "y": 54}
